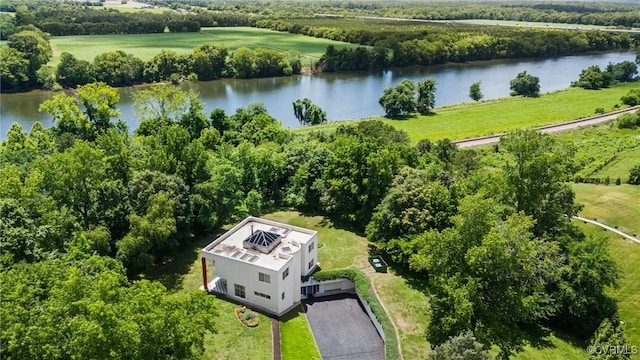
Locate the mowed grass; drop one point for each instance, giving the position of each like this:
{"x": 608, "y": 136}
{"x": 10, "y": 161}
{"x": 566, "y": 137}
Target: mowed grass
{"x": 146, "y": 46}
{"x": 501, "y": 115}
{"x": 611, "y": 205}
{"x": 296, "y": 337}
{"x": 232, "y": 339}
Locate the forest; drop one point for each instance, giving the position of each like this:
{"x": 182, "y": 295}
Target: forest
{"x": 86, "y": 203}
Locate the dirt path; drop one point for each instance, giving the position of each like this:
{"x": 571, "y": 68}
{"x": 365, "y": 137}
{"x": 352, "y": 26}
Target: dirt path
{"x": 564, "y": 126}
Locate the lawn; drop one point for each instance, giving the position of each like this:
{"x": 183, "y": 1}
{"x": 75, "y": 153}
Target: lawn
{"x": 145, "y": 46}
{"x": 296, "y": 337}
{"x": 502, "y": 115}
{"x": 611, "y": 205}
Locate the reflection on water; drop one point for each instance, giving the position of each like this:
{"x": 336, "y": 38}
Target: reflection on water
{"x": 343, "y": 95}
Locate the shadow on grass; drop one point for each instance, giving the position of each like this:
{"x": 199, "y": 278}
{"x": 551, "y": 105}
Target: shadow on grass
{"x": 172, "y": 270}
{"x": 293, "y": 313}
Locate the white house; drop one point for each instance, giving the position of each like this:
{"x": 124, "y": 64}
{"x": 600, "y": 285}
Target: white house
{"x": 260, "y": 263}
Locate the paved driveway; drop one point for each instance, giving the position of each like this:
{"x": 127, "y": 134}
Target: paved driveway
{"x": 343, "y": 330}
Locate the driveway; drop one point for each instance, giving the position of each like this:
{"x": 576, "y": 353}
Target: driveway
{"x": 343, "y": 330}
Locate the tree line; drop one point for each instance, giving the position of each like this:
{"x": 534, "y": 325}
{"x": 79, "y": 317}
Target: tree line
{"x": 26, "y": 53}
{"x": 431, "y": 44}
{"x": 496, "y": 246}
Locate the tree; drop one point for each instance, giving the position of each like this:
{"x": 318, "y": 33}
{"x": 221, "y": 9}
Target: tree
{"x": 117, "y": 68}
{"x": 487, "y": 275}
{"x": 158, "y": 106}
{"x": 460, "y": 347}
{"x": 84, "y": 305}
{"x": 14, "y": 69}
{"x": 623, "y": 72}
{"x": 243, "y": 63}
{"x": 525, "y": 85}
{"x": 99, "y": 101}
{"x": 416, "y": 202}
{"x": 426, "y": 96}
{"x": 34, "y": 46}
{"x": 536, "y": 170}
{"x": 308, "y": 113}
{"x": 634, "y": 175}
{"x": 209, "y": 61}
{"x": 72, "y": 72}
{"x": 399, "y": 100}
{"x": 162, "y": 66}
{"x": 474, "y": 91}
{"x": 610, "y": 335}
{"x": 593, "y": 78}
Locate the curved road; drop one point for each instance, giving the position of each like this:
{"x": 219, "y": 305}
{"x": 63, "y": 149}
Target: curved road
{"x": 634, "y": 239}
{"x": 568, "y": 125}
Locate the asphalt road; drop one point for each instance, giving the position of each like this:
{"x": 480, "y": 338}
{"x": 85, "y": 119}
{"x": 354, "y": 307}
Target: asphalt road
{"x": 564, "y": 126}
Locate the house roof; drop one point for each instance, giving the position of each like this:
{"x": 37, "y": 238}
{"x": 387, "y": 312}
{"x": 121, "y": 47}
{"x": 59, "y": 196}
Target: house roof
{"x": 263, "y": 243}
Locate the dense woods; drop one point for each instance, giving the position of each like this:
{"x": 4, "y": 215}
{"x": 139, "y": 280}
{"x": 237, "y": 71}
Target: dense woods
{"x": 105, "y": 203}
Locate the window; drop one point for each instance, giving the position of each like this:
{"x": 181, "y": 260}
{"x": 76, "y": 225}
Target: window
{"x": 268, "y": 297}
{"x": 283, "y": 295}
{"x": 239, "y": 290}
{"x": 264, "y": 277}
{"x": 311, "y": 263}
{"x": 311, "y": 246}
{"x": 285, "y": 273}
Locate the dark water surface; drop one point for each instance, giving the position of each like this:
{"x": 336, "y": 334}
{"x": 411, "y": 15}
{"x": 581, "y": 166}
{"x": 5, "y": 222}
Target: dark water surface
{"x": 343, "y": 95}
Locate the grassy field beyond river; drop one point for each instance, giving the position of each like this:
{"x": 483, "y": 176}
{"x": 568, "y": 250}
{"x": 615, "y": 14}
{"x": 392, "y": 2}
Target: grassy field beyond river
{"x": 501, "y": 115}
{"x": 146, "y": 46}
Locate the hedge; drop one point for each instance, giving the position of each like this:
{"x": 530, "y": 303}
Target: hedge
{"x": 363, "y": 286}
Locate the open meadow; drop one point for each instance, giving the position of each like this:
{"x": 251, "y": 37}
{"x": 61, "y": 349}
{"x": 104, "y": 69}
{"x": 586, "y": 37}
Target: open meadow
{"x": 501, "y": 115}
{"x": 146, "y": 46}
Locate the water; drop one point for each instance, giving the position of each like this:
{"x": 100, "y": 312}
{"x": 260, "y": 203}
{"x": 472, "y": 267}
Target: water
{"x": 344, "y": 95}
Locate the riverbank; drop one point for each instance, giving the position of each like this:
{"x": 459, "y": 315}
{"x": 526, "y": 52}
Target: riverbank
{"x": 501, "y": 115}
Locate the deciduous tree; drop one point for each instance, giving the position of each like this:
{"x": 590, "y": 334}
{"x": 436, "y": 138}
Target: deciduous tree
{"x": 526, "y": 85}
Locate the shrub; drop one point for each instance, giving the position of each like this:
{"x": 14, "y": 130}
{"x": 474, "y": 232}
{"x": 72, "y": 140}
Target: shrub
{"x": 632, "y": 98}
{"x": 628, "y": 121}
{"x": 634, "y": 175}
{"x": 599, "y": 110}
{"x": 618, "y": 181}
{"x": 247, "y": 317}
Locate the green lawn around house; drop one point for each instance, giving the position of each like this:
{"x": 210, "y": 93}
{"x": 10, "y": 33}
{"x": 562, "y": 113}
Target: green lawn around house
{"x": 501, "y": 115}
{"x": 146, "y": 46}
{"x": 296, "y": 337}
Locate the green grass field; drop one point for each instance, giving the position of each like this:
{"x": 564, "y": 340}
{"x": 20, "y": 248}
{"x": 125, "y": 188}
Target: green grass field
{"x": 611, "y": 205}
{"x": 296, "y": 337}
{"x": 146, "y": 46}
{"x": 604, "y": 150}
{"x": 501, "y": 115}
{"x": 625, "y": 161}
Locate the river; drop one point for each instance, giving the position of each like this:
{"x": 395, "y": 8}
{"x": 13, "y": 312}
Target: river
{"x": 341, "y": 95}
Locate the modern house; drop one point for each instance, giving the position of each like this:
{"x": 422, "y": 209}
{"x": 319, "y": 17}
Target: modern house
{"x": 261, "y": 263}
